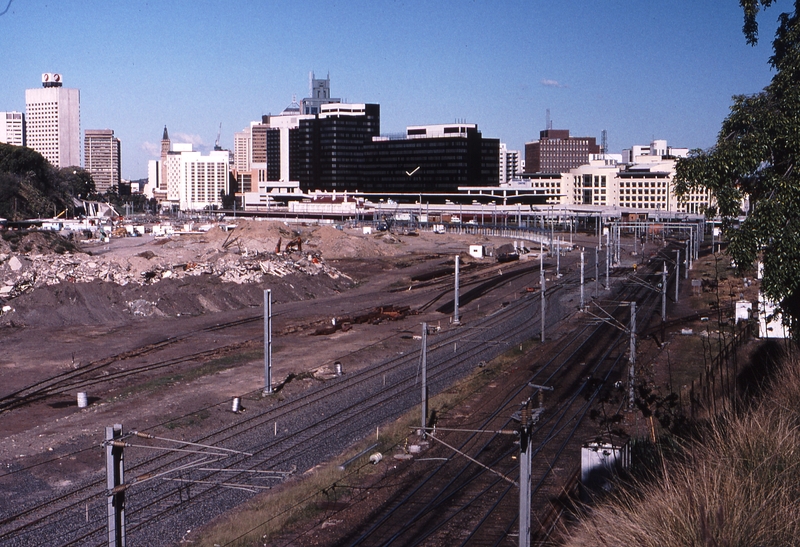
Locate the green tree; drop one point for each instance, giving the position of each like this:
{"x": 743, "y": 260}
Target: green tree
{"x": 756, "y": 160}
{"x": 77, "y": 182}
{"x": 30, "y": 187}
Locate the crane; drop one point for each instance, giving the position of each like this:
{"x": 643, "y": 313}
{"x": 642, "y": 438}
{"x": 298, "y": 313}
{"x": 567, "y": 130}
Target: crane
{"x": 219, "y": 134}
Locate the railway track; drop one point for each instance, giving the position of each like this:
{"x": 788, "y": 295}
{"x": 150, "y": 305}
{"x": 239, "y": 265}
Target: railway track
{"x": 461, "y": 503}
{"x": 352, "y": 406}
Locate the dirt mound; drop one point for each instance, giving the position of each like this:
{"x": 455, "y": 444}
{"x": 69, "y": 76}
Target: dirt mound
{"x": 263, "y": 236}
{"x": 37, "y": 242}
{"x": 260, "y": 236}
{"x": 111, "y": 305}
{"x": 131, "y": 278}
{"x": 352, "y": 243}
{"x": 225, "y": 268}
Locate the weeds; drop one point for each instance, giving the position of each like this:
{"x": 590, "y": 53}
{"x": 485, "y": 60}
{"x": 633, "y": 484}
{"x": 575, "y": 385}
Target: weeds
{"x": 739, "y": 487}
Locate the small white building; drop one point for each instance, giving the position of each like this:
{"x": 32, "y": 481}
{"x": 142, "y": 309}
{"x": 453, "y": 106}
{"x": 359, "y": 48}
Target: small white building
{"x": 770, "y": 322}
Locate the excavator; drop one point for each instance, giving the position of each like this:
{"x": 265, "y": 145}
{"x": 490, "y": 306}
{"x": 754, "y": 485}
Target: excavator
{"x": 295, "y": 244}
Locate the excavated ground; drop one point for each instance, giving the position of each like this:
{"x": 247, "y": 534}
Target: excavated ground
{"x": 68, "y": 305}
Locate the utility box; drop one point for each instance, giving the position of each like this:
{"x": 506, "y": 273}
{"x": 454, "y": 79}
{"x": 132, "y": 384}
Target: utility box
{"x": 600, "y": 463}
{"x": 743, "y": 310}
{"x": 477, "y": 251}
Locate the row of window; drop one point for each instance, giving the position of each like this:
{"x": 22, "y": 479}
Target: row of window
{"x": 643, "y": 184}
{"x": 640, "y": 191}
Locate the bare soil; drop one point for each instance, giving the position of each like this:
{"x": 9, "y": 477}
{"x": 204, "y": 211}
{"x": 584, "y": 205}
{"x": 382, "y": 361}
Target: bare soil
{"x": 53, "y": 329}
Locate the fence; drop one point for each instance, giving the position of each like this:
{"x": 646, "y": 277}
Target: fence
{"x": 717, "y": 389}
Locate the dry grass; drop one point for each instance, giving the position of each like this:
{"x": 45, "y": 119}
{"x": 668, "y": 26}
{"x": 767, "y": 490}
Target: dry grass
{"x": 739, "y": 487}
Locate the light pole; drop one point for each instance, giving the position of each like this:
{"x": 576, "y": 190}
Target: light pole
{"x": 632, "y": 359}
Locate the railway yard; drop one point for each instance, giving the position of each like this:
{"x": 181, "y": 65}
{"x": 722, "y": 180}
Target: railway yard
{"x": 162, "y": 334}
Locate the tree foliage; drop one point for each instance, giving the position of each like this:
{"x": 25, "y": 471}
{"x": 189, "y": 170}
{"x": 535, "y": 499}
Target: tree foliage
{"x": 756, "y": 160}
{"x": 30, "y": 187}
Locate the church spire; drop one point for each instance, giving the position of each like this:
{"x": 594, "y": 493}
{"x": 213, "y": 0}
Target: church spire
{"x": 166, "y": 135}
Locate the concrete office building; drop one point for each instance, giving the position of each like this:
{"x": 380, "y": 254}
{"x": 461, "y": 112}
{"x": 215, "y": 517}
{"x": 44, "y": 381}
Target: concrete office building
{"x": 328, "y": 152}
{"x": 319, "y": 93}
{"x": 264, "y": 146}
{"x": 101, "y": 155}
{"x": 263, "y": 153}
{"x": 281, "y": 144}
{"x": 242, "y": 150}
{"x": 655, "y": 148}
{"x": 53, "y": 121}
{"x": 12, "y": 128}
{"x": 557, "y": 152}
{"x": 645, "y": 183}
{"x": 431, "y": 159}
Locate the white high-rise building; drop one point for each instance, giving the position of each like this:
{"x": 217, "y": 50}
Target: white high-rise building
{"x": 12, "y": 128}
{"x": 53, "y": 121}
{"x": 193, "y": 181}
{"x": 509, "y": 164}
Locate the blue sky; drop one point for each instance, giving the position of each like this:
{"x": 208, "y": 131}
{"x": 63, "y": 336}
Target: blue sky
{"x": 640, "y": 70}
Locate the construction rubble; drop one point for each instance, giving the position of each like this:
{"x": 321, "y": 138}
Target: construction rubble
{"x": 21, "y": 273}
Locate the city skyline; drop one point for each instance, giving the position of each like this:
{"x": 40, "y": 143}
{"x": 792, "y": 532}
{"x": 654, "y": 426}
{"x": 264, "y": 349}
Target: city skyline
{"x": 638, "y": 71}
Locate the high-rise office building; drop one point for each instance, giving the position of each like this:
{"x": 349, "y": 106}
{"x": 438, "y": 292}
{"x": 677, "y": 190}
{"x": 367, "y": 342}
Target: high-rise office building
{"x": 242, "y": 146}
{"x": 262, "y": 151}
{"x": 53, "y": 121}
{"x": 431, "y": 159}
{"x": 329, "y": 148}
{"x": 12, "y": 128}
{"x": 557, "y": 152}
{"x": 101, "y": 154}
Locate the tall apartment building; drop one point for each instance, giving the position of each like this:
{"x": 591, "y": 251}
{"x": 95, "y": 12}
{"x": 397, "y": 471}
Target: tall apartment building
{"x": 509, "y": 163}
{"x": 53, "y": 121}
{"x": 102, "y": 158}
{"x": 12, "y": 128}
{"x": 557, "y": 152}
